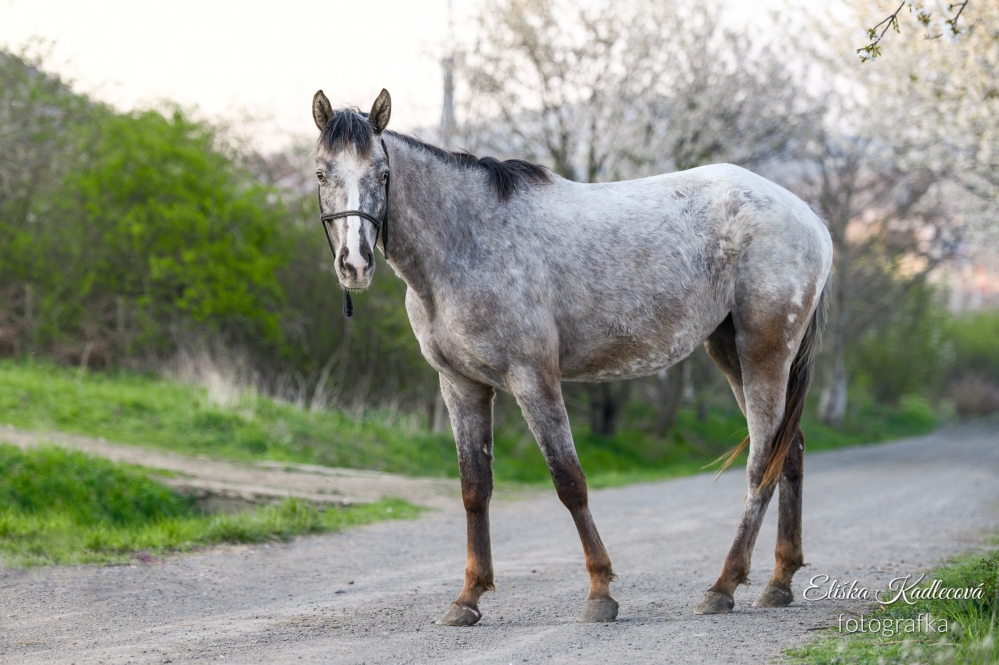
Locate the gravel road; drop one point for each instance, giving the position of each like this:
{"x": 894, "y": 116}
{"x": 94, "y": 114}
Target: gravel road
{"x": 371, "y": 595}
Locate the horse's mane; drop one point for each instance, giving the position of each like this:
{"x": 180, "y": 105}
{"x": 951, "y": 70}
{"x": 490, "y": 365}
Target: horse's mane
{"x": 350, "y": 127}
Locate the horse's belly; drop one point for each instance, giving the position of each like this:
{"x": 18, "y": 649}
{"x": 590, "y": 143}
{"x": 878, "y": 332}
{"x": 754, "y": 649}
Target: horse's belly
{"x": 629, "y": 357}
{"x": 597, "y": 367}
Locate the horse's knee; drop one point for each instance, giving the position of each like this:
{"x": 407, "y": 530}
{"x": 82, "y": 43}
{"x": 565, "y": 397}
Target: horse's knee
{"x": 570, "y": 484}
{"x": 475, "y": 497}
{"x": 574, "y": 497}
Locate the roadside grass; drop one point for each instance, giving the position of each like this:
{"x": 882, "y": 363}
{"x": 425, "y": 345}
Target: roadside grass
{"x": 639, "y": 456}
{"x": 143, "y": 409}
{"x": 65, "y": 507}
{"x": 972, "y": 635}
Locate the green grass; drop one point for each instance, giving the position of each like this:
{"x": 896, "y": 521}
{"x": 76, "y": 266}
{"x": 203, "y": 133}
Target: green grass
{"x": 636, "y": 455}
{"x": 65, "y": 507}
{"x": 972, "y": 635}
{"x": 143, "y": 409}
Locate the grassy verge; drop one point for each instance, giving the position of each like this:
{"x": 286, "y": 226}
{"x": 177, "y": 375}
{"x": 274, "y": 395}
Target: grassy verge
{"x": 636, "y": 455}
{"x": 64, "y": 507}
{"x": 142, "y": 409}
{"x": 966, "y": 630}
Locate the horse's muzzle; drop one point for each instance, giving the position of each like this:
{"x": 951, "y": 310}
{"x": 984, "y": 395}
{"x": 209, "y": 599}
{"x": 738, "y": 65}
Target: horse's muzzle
{"x": 355, "y": 272}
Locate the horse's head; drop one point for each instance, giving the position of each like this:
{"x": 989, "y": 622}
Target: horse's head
{"x": 353, "y": 172}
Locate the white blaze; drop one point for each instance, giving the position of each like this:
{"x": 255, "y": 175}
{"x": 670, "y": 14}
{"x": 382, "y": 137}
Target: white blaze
{"x": 352, "y": 171}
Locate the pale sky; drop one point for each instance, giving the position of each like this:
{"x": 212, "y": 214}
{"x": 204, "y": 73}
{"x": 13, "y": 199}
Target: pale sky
{"x": 265, "y": 59}
{"x": 229, "y": 58}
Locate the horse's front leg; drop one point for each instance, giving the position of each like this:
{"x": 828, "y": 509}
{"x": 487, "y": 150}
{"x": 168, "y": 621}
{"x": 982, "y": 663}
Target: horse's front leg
{"x": 540, "y": 399}
{"x": 471, "y": 408}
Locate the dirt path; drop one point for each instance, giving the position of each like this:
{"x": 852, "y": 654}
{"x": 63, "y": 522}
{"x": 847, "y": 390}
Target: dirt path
{"x": 226, "y": 484}
{"x": 371, "y": 595}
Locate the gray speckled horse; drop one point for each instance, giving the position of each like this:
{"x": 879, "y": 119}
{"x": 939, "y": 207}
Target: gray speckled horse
{"x": 518, "y": 280}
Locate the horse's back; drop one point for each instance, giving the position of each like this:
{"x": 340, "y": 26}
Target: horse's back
{"x": 642, "y": 271}
{"x": 718, "y": 223}
{"x": 717, "y": 196}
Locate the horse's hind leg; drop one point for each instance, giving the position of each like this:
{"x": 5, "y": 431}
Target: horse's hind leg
{"x": 722, "y": 348}
{"x": 764, "y": 360}
{"x": 540, "y": 398}
{"x": 471, "y": 408}
{"x": 788, "y": 553}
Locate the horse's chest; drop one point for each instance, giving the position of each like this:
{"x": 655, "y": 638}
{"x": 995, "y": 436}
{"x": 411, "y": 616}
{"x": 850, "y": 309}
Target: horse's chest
{"x": 456, "y": 349}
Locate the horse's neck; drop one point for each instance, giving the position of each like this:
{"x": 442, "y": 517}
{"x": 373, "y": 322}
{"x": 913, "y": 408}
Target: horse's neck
{"x": 426, "y": 195}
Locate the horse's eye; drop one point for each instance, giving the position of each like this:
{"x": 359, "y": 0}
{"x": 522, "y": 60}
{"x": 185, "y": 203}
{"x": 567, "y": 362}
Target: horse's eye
{"x": 320, "y": 177}
{"x": 385, "y": 176}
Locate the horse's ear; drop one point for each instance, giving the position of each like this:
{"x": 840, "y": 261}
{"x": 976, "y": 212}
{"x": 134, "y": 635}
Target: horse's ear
{"x": 322, "y": 110}
{"x": 381, "y": 110}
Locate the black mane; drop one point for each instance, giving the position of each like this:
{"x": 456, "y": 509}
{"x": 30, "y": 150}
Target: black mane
{"x": 350, "y": 127}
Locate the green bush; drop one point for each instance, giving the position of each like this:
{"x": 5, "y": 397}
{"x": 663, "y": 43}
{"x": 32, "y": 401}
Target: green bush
{"x": 974, "y": 375}
{"x": 126, "y": 237}
{"x": 975, "y": 339}
{"x": 908, "y": 351}
{"x": 155, "y": 226}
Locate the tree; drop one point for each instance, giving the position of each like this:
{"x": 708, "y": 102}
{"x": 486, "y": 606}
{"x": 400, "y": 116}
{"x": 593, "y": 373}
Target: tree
{"x": 892, "y": 176}
{"x": 937, "y": 104}
{"x": 121, "y": 228}
{"x": 890, "y": 230}
{"x": 37, "y": 116}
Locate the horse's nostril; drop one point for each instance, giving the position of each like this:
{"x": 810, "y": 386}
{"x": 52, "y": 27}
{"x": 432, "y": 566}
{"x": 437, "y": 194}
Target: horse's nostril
{"x": 344, "y": 266}
{"x": 368, "y": 258}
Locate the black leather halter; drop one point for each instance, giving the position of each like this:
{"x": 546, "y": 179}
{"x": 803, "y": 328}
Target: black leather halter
{"x": 381, "y": 227}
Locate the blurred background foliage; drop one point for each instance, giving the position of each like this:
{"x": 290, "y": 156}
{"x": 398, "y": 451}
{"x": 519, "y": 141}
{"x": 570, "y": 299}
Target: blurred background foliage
{"x": 155, "y": 243}
{"x": 138, "y": 239}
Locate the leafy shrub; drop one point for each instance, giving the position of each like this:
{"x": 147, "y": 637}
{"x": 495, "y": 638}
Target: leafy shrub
{"x": 908, "y": 351}
{"x": 974, "y": 372}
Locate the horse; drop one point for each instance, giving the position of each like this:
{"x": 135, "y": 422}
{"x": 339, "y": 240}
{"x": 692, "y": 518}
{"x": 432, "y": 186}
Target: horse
{"x": 518, "y": 280}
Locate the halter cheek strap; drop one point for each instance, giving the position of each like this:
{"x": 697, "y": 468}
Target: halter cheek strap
{"x": 381, "y": 227}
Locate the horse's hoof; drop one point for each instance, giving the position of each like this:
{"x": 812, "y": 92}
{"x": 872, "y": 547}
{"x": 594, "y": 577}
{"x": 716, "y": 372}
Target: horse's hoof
{"x": 599, "y": 610}
{"x": 459, "y": 615}
{"x": 774, "y": 596}
{"x": 715, "y": 603}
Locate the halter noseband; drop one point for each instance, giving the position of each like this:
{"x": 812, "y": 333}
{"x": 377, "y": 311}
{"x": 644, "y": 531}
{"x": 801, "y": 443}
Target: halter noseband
{"x": 381, "y": 227}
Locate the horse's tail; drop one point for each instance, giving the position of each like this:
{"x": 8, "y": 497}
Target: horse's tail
{"x": 798, "y": 381}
